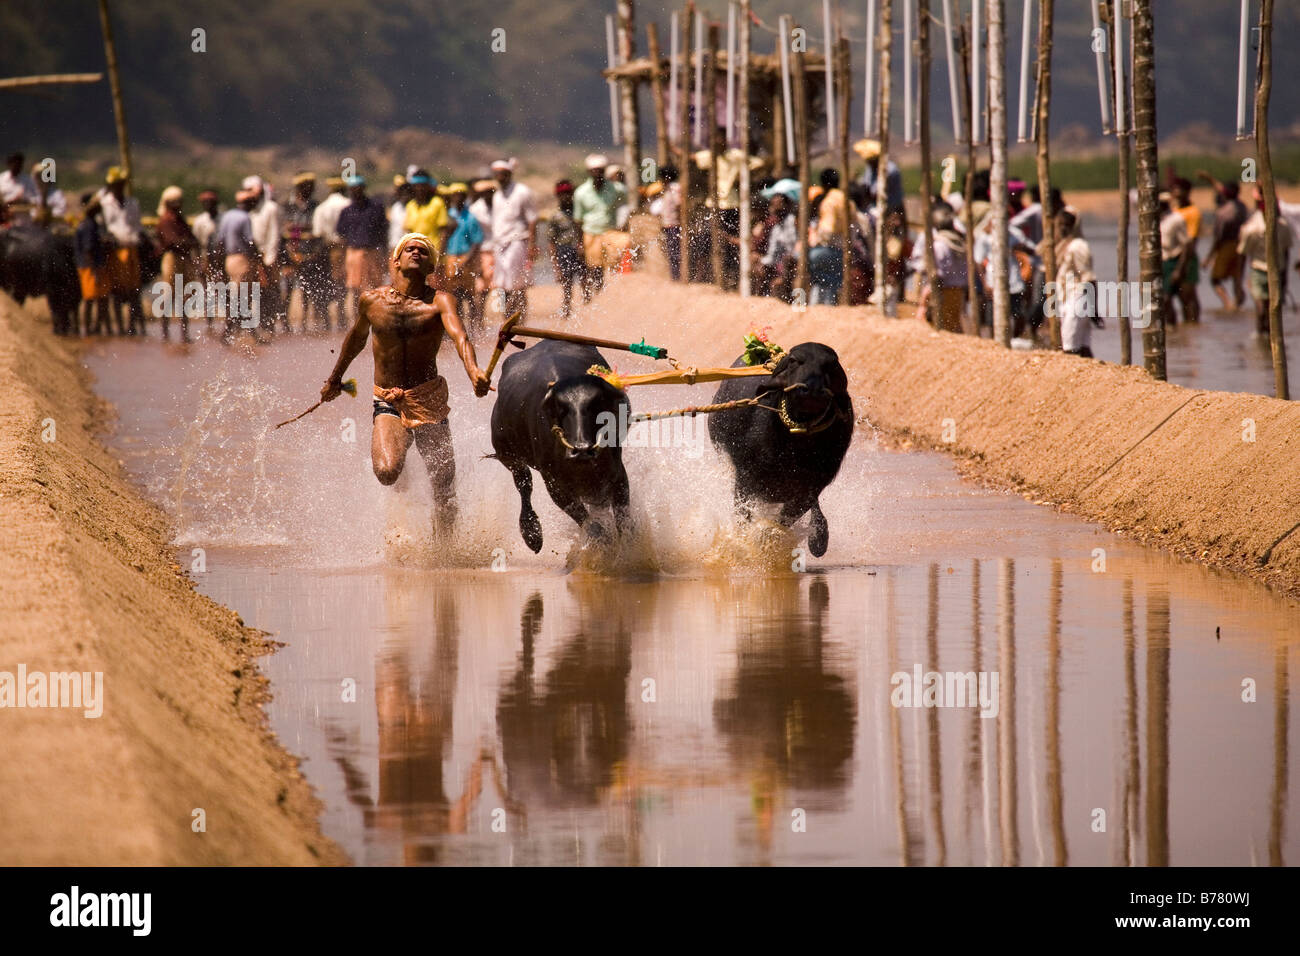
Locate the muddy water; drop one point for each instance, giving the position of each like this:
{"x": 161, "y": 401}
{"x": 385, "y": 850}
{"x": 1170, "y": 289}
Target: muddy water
{"x": 694, "y": 700}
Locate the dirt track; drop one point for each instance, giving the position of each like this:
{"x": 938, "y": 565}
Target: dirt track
{"x": 87, "y": 584}
{"x": 1161, "y": 463}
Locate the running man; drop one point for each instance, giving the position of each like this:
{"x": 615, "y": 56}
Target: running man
{"x": 408, "y": 319}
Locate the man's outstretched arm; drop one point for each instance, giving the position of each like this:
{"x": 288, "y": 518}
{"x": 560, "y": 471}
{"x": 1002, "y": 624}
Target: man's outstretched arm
{"x": 464, "y": 347}
{"x": 353, "y": 343}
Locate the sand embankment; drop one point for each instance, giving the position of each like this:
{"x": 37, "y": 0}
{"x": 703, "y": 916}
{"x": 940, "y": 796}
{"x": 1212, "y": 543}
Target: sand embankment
{"x": 1164, "y": 464}
{"x": 88, "y": 584}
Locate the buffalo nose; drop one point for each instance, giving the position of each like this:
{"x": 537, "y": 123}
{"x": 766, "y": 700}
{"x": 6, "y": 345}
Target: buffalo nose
{"x": 583, "y": 451}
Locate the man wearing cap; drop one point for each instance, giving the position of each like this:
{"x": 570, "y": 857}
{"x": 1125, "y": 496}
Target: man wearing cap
{"x": 408, "y": 319}
{"x": 363, "y": 230}
{"x": 514, "y": 237}
{"x": 234, "y": 242}
{"x": 179, "y": 256}
{"x": 426, "y": 213}
{"x": 595, "y": 209}
{"x": 460, "y": 261}
{"x": 122, "y": 220}
{"x": 869, "y": 151}
{"x": 265, "y": 219}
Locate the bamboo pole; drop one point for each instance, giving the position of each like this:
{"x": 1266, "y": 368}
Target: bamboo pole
{"x": 973, "y": 299}
{"x": 927, "y": 172}
{"x": 1243, "y": 44}
{"x": 998, "y": 171}
{"x": 780, "y": 160}
{"x": 882, "y": 167}
{"x": 711, "y": 116}
{"x": 787, "y": 95}
{"x": 115, "y": 88}
{"x": 1123, "y": 144}
{"x": 1026, "y": 18}
{"x": 976, "y": 73}
{"x": 631, "y": 113}
{"x": 611, "y": 55}
{"x": 870, "y": 124}
{"x": 742, "y": 95}
{"x": 846, "y": 97}
{"x": 1263, "y": 91}
{"x": 829, "y": 47}
{"x": 699, "y": 79}
{"x": 657, "y": 94}
{"x": 674, "y": 67}
{"x": 730, "y": 136}
{"x": 684, "y": 137}
{"x": 48, "y": 79}
{"x": 801, "y": 148}
{"x": 908, "y": 92}
{"x": 1148, "y": 174}
{"x": 952, "y": 72}
{"x": 1044, "y": 111}
{"x": 1103, "y": 99}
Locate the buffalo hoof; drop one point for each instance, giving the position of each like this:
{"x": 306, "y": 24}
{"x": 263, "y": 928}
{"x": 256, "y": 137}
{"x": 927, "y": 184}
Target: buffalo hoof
{"x": 819, "y": 535}
{"x": 596, "y": 533}
{"x": 531, "y": 529}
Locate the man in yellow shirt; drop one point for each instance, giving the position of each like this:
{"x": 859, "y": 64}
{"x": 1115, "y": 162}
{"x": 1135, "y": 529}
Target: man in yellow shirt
{"x": 426, "y": 214}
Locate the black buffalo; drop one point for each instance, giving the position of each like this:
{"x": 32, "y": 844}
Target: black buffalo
{"x": 36, "y": 262}
{"x": 790, "y": 449}
{"x": 548, "y": 416}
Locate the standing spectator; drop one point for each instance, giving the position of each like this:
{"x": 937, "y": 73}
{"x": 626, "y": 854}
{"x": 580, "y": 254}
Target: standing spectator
{"x": 122, "y": 220}
{"x": 397, "y": 211}
{"x": 869, "y": 151}
{"x": 1175, "y": 251}
{"x": 825, "y": 241}
{"x": 460, "y": 264}
{"x": 304, "y": 263}
{"x": 614, "y": 173}
{"x": 1183, "y": 205}
{"x": 950, "y": 269}
{"x": 324, "y": 225}
{"x": 179, "y": 256}
{"x": 363, "y": 230}
{"x": 778, "y": 260}
{"x": 1223, "y": 260}
{"x": 1251, "y": 246}
{"x": 205, "y": 230}
{"x": 50, "y": 201}
{"x": 234, "y": 244}
{"x": 595, "y": 205}
{"x": 18, "y": 188}
{"x": 481, "y": 209}
{"x": 426, "y": 213}
{"x": 670, "y": 218}
{"x": 265, "y": 217}
{"x": 514, "y": 237}
{"x": 566, "y": 248}
{"x": 1074, "y": 286}
{"x": 92, "y": 254}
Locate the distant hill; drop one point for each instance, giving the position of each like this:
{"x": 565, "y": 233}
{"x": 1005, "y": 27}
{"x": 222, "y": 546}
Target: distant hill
{"x": 335, "y": 73}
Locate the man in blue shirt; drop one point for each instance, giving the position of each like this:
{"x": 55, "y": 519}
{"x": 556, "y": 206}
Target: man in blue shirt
{"x": 363, "y": 230}
{"x": 461, "y": 262}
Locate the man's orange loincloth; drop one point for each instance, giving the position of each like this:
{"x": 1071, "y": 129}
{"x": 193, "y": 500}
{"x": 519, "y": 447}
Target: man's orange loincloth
{"x": 425, "y": 404}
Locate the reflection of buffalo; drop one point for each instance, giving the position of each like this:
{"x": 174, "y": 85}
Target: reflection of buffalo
{"x": 787, "y": 452}
{"x": 562, "y": 740}
{"x": 785, "y": 706}
{"x": 548, "y": 416}
{"x": 35, "y": 262}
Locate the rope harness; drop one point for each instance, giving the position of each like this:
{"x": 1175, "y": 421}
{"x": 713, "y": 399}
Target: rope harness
{"x": 782, "y": 411}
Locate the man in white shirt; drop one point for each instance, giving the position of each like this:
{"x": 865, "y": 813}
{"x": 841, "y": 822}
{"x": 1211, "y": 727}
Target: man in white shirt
{"x": 18, "y": 187}
{"x": 122, "y": 219}
{"x": 514, "y": 237}
{"x": 265, "y": 217}
{"x": 481, "y": 209}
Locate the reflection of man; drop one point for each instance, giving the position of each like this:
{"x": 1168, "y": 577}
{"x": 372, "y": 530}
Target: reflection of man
{"x": 595, "y": 209}
{"x": 408, "y": 319}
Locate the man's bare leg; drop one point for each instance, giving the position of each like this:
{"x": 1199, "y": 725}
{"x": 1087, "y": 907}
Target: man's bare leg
{"x": 433, "y": 442}
{"x": 389, "y": 442}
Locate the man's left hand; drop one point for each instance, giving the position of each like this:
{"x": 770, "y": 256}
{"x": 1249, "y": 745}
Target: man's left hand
{"x": 481, "y": 382}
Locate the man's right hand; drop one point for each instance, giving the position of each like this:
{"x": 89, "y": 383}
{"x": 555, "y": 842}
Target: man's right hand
{"x": 331, "y": 390}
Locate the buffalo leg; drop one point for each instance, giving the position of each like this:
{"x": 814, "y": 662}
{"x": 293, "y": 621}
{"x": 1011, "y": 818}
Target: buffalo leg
{"x": 622, "y": 504}
{"x": 572, "y": 506}
{"x": 530, "y": 528}
{"x": 819, "y": 535}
